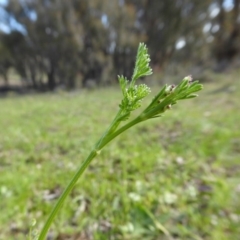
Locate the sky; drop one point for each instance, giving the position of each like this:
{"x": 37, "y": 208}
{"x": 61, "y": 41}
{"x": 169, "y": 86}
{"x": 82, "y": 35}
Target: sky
{"x": 9, "y": 23}
{"x": 3, "y": 2}
{"x": 228, "y": 4}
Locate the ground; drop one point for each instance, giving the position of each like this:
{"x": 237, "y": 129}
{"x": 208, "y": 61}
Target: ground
{"x": 176, "y": 177}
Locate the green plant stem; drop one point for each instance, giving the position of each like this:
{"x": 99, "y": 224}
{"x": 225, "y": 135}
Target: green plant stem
{"x": 120, "y": 130}
{"x": 64, "y": 195}
{"x": 104, "y": 140}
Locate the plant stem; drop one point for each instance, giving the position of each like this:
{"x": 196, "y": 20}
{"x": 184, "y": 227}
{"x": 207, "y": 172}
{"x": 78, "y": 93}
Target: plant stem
{"x": 66, "y": 192}
{"x": 120, "y": 130}
{"x": 104, "y": 140}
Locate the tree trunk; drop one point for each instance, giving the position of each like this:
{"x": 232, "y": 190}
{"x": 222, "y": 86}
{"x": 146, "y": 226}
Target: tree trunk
{"x": 51, "y": 79}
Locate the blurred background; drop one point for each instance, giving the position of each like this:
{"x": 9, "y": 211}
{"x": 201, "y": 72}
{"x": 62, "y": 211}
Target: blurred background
{"x": 177, "y": 177}
{"x": 72, "y": 44}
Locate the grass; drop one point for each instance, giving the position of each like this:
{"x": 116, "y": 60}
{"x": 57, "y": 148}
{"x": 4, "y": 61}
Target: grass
{"x": 172, "y": 178}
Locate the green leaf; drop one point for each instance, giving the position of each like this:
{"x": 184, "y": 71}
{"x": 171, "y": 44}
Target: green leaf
{"x": 142, "y": 67}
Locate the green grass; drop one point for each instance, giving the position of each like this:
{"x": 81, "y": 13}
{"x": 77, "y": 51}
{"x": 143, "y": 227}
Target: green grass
{"x": 177, "y": 177}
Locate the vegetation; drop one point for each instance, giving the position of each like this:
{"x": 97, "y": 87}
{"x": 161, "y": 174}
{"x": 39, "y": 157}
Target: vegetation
{"x": 132, "y": 98}
{"x": 70, "y": 44}
{"x": 178, "y": 177}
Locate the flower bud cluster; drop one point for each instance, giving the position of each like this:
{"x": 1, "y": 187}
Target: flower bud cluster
{"x": 169, "y": 95}
{"x": 164, "y": 100}
{"x": 133, "y": 94}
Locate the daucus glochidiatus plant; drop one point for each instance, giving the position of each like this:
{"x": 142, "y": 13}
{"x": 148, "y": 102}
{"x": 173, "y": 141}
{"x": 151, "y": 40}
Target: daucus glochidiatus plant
{"x": 133, "y": 95}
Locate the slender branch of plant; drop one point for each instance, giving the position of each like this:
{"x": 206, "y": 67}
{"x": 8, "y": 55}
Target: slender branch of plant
{"x": 133, "y": 95}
